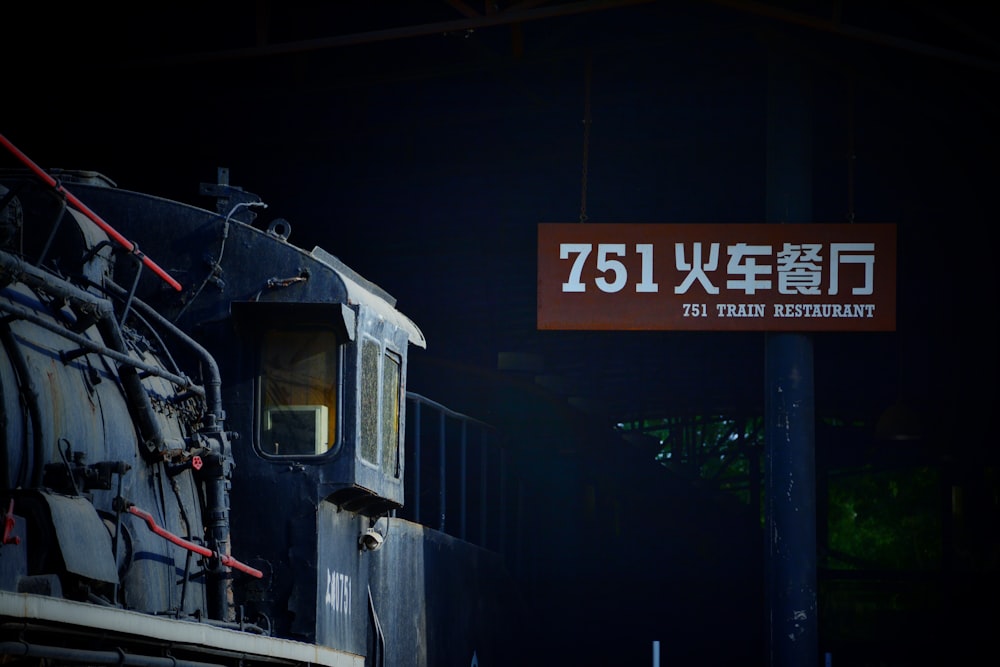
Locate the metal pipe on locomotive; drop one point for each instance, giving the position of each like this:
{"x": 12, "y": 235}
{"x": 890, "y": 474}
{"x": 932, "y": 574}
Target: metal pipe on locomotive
{"x": 206, "y": 475}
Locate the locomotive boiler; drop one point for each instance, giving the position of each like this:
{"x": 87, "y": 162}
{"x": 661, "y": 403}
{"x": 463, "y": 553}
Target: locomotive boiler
{"x": 202, "y": 445}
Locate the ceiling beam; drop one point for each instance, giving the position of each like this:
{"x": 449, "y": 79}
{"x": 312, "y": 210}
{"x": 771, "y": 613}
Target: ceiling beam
{"x": 515, "y": 14}
{"x": 836, "y": 27}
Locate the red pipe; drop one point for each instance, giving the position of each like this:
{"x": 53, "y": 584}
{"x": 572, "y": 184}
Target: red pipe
{"x": 191, "y": 546}
{"x": 80, "y": 206}
{"x": 8, "y": 526}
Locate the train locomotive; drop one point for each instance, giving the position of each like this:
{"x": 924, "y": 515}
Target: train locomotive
{"x": 202, "y": 456}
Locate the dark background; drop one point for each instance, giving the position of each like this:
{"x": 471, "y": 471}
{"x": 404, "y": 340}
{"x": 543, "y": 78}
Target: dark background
{"x": 423, "y": 142}
{"x": 422, "y": 145}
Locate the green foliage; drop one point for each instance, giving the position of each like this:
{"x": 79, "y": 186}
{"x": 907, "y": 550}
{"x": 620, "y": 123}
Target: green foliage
{"x": 885, "y": 520}
{"x": 715, "y": 449}
{"x": 876, "y": 519}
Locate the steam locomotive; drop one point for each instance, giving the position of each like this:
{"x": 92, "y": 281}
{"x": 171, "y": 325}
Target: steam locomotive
{"x": 211, "y": 458}
{"x": 202, "y": 455}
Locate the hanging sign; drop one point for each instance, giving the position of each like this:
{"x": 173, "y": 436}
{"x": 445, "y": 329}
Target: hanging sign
{"x": 717, "y": 277}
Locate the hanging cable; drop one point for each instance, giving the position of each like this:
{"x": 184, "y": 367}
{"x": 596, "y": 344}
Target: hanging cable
{"x": 851, "y": 157}
{"x": 215, "y": 266}
{"x": 586, "y": 142}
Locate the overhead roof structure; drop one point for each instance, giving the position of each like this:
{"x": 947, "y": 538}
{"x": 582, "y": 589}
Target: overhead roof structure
{"x": 423, "y": 142}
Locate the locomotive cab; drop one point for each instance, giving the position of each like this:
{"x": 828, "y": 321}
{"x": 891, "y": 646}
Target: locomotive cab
{"x": 317, "y": 388}
{"x": 328, "y": 393}
{"x": 254, "y": 416}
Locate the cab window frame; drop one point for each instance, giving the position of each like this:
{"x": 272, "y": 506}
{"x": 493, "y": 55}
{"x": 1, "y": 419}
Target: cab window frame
{"x": 372, "y": 422}
{"x": 335, "y": 430}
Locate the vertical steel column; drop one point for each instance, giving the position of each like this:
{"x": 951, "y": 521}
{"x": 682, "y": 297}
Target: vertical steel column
{"x": 415, "y": 477}
{"x": 790, "y": 475}
{"x": 483, "y": 487}
{"x": 442, "y": 495}
{"x": 462, "y": 481}
{"x": 502, "y": 528}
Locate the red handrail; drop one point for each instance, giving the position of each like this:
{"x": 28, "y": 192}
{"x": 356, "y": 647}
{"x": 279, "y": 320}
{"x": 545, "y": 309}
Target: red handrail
{"x": 191, "y": 546}
{"x": 80, "y": 206}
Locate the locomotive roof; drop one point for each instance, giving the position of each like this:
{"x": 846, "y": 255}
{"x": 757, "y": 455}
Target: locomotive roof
{"x": 364, "y": 292}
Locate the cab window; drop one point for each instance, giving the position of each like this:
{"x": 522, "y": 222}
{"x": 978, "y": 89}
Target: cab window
{"x": 380, "y": 393}
{"x": 298, "y": 392}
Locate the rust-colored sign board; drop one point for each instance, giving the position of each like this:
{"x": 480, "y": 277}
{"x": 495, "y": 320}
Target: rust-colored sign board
{"x": 717, "y": 277}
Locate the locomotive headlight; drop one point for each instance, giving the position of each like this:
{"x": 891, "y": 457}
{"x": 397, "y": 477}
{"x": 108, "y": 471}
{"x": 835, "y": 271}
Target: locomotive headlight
{"x": 371, "y": 540}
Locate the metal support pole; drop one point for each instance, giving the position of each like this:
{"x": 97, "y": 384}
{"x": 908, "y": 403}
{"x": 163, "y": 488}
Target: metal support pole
{"x": 415, "y": 477}
{"x": 442, "y": 470}
{"x": 463, "y": 480}
{"x": 483, "y": 488}
{"x": 790, "y": 475}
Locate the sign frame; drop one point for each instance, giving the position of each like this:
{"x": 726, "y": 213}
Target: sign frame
{"x": 717, "y": 276}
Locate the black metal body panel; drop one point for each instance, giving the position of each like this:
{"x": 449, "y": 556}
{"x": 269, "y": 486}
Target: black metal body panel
{"x": 142, "y": 397}
{"x": 78, "y": 526}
